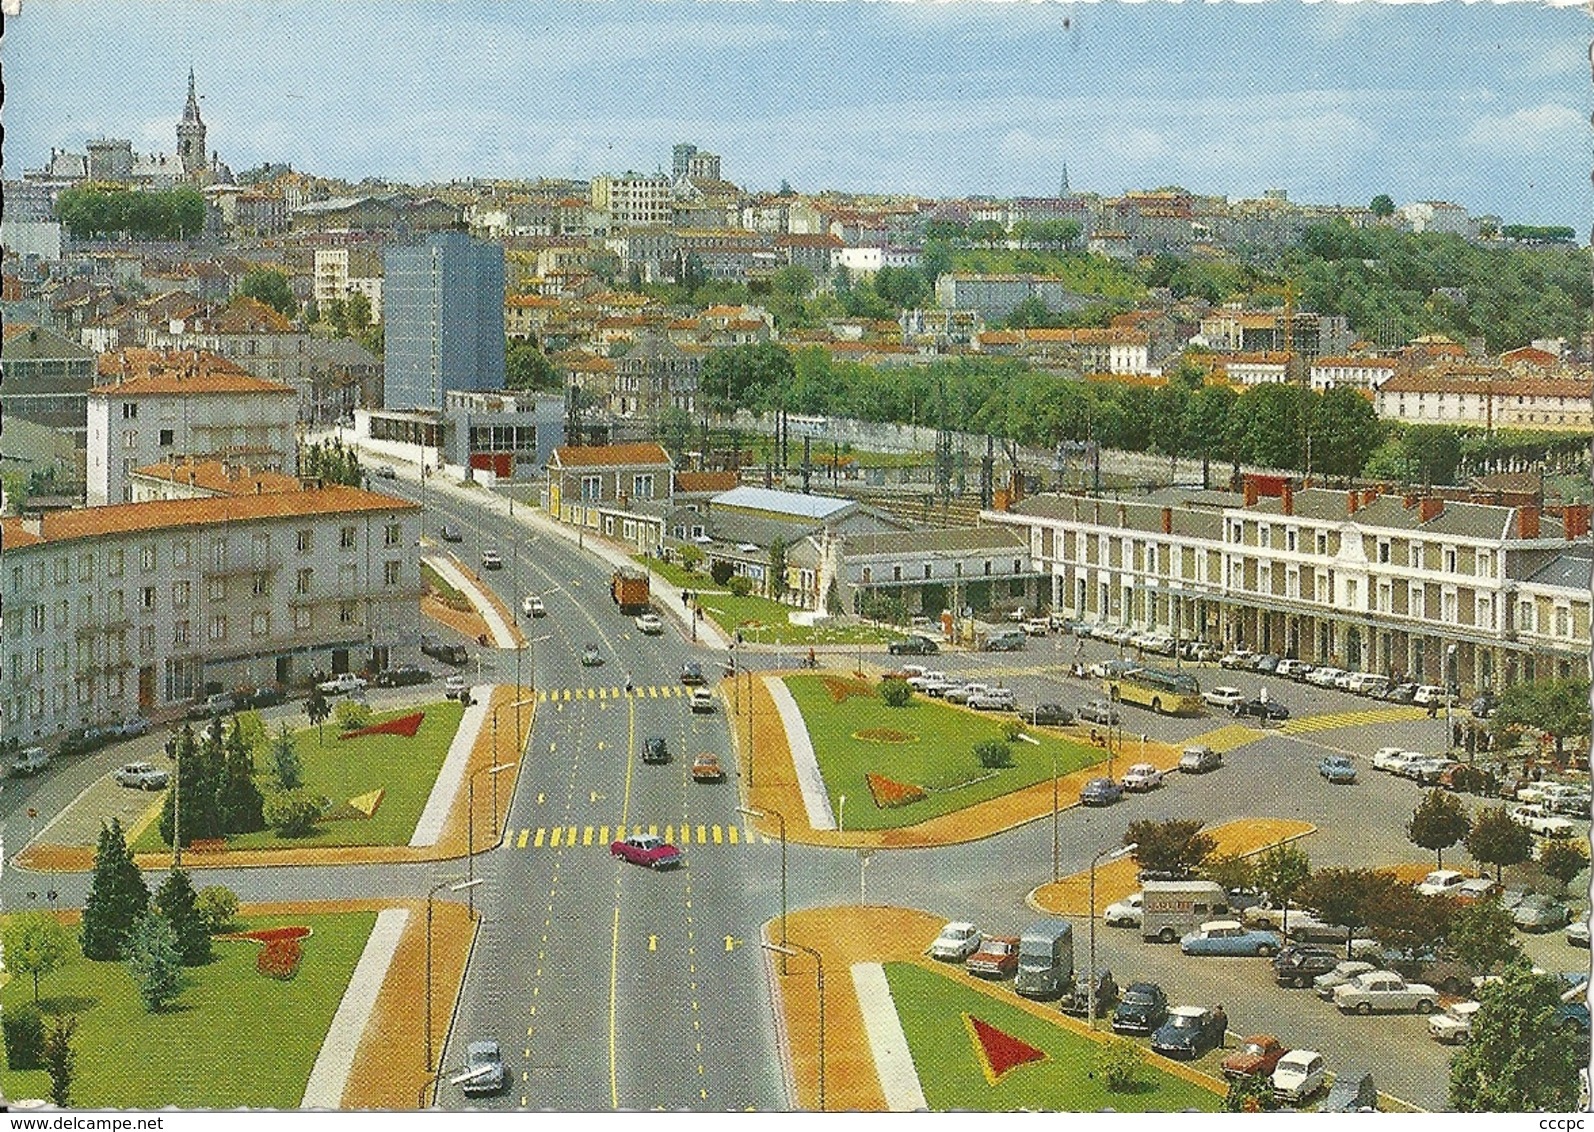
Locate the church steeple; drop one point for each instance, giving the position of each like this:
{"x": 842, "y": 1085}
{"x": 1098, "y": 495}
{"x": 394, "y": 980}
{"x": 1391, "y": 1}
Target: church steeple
{"x": 191, "y": 111}
{"x": 191, "y": 133}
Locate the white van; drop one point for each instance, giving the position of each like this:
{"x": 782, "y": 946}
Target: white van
{"x": 1369, "y": 684}
{"x": 1171, "y": 908}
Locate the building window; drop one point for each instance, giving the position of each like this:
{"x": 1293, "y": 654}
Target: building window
{"x": 926, "y": 571}
{"x": 301, "y": 582}
{"x": 262, "y": 585}
{"x": 62, "y": 571}
{"x": 1485, "y": 563}
{"x": 218, "y": 554}
{"x": 1264, "y": 536}
{"x": 1383, "y": 550}
{"x": 303, "y": 542}
{"x": 591, "y": 488}
{"x": 113, "y": 562}
{"x": 642, "y": 486}
{"x": 868, "y": 575}
{"x": 85, "y": 567}
{"x": 260, "y": 625}
{"x": 146, "y": 558}
{"x": 1414, "y": 558}
{"x": 987, "y": 567}
{"x": 218, "y": 589}
{"x": 1018, "y": 566}
{"x": 1291, "y": 539}
{"x": 129, "y": 411}
{"x": 390, "y": 573}
{"x": 1322, "y": 543}
{"x": 346, "y": 538}
{"x": 146, "y": 640}
{"x": 346, "y": 612}
{"x": 180, "y": 633}
{"x": 1525, "y": 618}
{"x": 390, "y": 537}
{"x": 146, "y": 597}
{"x": 1563, "y": 621}
{"x": 167, "y": 438}
{"x": 180, "y": 595}
{"x": 1450, "y": 560}
{"x": 218, "y": 627}
{"x": 301, "y": 618}
{"x": 896, "y": 573}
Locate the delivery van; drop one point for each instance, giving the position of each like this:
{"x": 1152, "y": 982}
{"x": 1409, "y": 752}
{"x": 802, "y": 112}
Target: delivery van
{"x": 1171, "y": 908}
{"x": 1045, "y": 959}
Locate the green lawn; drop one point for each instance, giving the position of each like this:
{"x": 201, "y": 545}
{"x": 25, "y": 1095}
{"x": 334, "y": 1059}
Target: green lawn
{"x": 931, "y": 1007}
{"x": 762, "y": 620}
{"x": 940, "y": 759}
{"x": 341, "y": 769}
{"x": 234, "y": 1037}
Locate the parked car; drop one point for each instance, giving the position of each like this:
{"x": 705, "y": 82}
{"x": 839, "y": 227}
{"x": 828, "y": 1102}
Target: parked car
{"x": 702, "y": 701}
{"x": 1141, "y": 778}
{"x": 961, "y": 693}
{"x": 1142, "y": 1008}
{"x": 591, "y": 656}
{"x": 1005, "y": 642}
{"x": 1241, "y": 659}
{"x": 221, "y": 703}
{"x": 646, "y": 849}
{"x": 1384, "y": 991}
{"x": 1100, "y": 792}
{"x": 650, "y": 624}
{"x": 1037, "y": 626}
{"x": 1577, "y": 932}
{"x": 1475, "y": 888}
{"x": 692, "y": 674}
{"x": 997, "y": 957}
{"x": 1296, "y": 965}
{"x": 402, "y": 676}
{"x": 341, "y": 683}
{"x": 1267, "y": 664}
{"x": 1075, "y": 1001}
{"x": 1484, "y": 706}
{"x": 1257, "y": 1056}
{"x": 132, "y": 727}
{"x": 83, "y": 741}
{"x": 1223, "y": 696}
{"x": 142, "y": 776}
{"x": 706, "y": 768}
{"x": 1352, "y": 1091}
{"x": 1454, "y": 1026}
{"x": 445, "y": 651}
{"x": 1230, "y": 937}
{"x": 531, "y": 605}
{"x": 492, "y": 560}
{"x": 1539, "y": 913}
{"x": 386, "y": 472}
{"x": 1098, "y": 711}
{"x": 655, "y": 750}
{"x": 1572, "y": 1014}
{"x": 1393, "y": 759}
{"x": 30, "y": 760}
{"x": 1261, "y": 709}
{"x": 1338, "y": 769}
{"x": 1400, "y": 694}
{"x": 484, "y": 1069}
{"x": 1342, "y": 973}
{"x": 913, "y": 646}
{"x": 451, "y": 534}
{"x": 1049, "y": 715}
{"x": 1298, "y": 1075}
{"x": 1441, "y": 882}
{"x": 958, "y": 940}
{"x": 1124, "y": 913}
{"x": 1541, "y": 822}
{"x": 920, "y": 682}
{"x": 1189, "y": 1032}
{"x": 1432, "y": 694}
{"x": 262, "y": 695}
{"x": 1325, "y": 676}
{"x": 1199, "y": 760}
{"x": 1292, "y": 669}
{"x": 993, "y": 699}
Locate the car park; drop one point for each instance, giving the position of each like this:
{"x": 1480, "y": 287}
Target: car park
{"x": 1230, "y": 937}
{"x": 484, "y": 1069}
{"x": 706, "y": 768}
{"x": 142, "y": 776}
{"x": 1199, "y": 760}
{"x": 1261, "y": 709}
{"x": 1097, "y": 711}
{"x": 1100, "y": 792}
{"x": 1141, "y": 778}
{"x": 402, "y": 676}
{"x": 655, "y": 750}
{"x": 1142, "y": 1008}
{"x": 591, "y": 657}
{"x": 1297, "y": 965}
{"x": 1299, "y": 1075}
{"x": 342, "y": 683}
{"x": 1337, "y": 769}
{"x": 1189, "y": 1032}
{"x": 1076, "y": 998}
{"x": 1257, "y": 1056}
{"x": 1341, "y": 973}
{"x": 1454, "y": 1025}
{"x": 1049, "y": 715}
{"x": 1223, "y": 696}
{"x": 996, "y": 959}
{"x": 1384, "y": 991}
{"x": 646, "y": 849}
{"x": 913, "y": 646}
{"x": 701, "y": 701}
{"x": 1540, "y": 913}
{"x": 958, "y": 940}
{"x": 650, "y": 624}
{"x": 1124, "y": 913}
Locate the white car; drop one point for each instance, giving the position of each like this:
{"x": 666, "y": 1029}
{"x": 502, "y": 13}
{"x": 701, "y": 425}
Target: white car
{"x": 1124, "y": 913}
{"x": 532, "y": 606}
{"x": 1441, "y": 882}
{"x": 1369, "y": 684}
{"x": 1541, "y": 822}
{"x": 1324, "y": 677}
{"x": 454, "y": 686}
{"x": 1298, "y": 1075}
{"x": 341, "y": 683}
{"x": 1037, "y": 627}
{"x": 1142, "y": 777}
{"x": 1454, "y": 1026}
{"x": 957, "y": 941}
{"x": 1292, "y": 669}
{"x": 1342, "y": 973}
{"x": 921, "y": 681}
{"x": 994, "y": 699}
{"x": 1388, "y": 758}
{"x": 142, "y": 776}
{"x": 962, "y": 693}
{"x": 1239, "y": 658}
{"x": 1386, "y": 991}
{"x": 492, "y": 560}
{"x": 1400, "y": 764}
{"x": 1345, "y": 681}
{"x": 650, "y": 623}
{"x": 1577, "y": 932}
{"x": 1223, "y": 696}
{"x": 1430, "y": 694}
{"x": 702, "y": 701}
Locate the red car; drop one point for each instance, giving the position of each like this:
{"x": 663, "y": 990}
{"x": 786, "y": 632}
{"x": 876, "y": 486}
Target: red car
{"x": 996, "y": 959}
{"x": 1258, "y": 1055}
{"x": 647, "y": 849}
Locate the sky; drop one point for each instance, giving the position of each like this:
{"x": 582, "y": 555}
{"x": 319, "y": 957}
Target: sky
{"x": 1482, "y": 104}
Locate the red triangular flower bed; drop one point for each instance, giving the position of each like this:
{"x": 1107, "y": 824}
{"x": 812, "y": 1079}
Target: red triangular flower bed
{"x": 888, "y": 793}
{"x": 998, "y": 1051}
{"x": 405, "y": 725}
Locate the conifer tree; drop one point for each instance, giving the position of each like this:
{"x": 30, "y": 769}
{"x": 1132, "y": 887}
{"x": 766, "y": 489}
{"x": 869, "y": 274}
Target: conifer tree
{"x": 178, "y": 902}
{"x": 240, "y": 802}
{"x": 117, "y": 896}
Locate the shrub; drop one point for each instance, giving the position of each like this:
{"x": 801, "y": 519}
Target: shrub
{"x": 60, "y": 1060}
{"x": 292, "y": 813}
{"x": 1252, "y": 1093}
{"x": 721, "y": 572}
{"x": 740, "y": 586}
{"x": 896, "y": 693}
{"x": 1120, "y": 1065}
{"x": 279, "y": 959}
{"x": 1012, "y": 729}
{"x": 351, "y": 715}
{"x": 218, "y": 907}
{"x": 993, "y": 754}
{"x": 23, "y": 1026}
{"x": 691, "y": 558}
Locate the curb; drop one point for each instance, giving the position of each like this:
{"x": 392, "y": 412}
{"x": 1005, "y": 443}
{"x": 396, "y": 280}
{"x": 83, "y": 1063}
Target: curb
{"x": 453, "y": 1015}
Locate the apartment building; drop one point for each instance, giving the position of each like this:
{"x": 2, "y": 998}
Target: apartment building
{"x": 1494, "y": 402}
{"x": 1358, "y": 373}
{"x": 47, "y": 379}
{"x": 145, "y": 606}
{"x": 1382, "y": 583}
{"x": 633, "y": 198}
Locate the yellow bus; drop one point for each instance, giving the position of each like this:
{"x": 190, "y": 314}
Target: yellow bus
{"x": 1164, "y": 692}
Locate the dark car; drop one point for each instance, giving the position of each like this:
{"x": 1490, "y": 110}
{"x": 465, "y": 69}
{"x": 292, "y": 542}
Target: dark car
{"x": 1100, "y": 792}
{"x": 1261, "y": 709}
{"x": 913, "y": 646}
{"x": 484, "y": 1069}
{"x": 1401, "y": 694}
{"x": 451, "y": 534}
{"x": 1352, "y": 1091}
{"x": 1075, "y": 999}
{"x": 692, "y": 673}
{"x": 445, "y": 651}
{"x": 1483, "y": 707}
{"x": 1572, "y": 1016}
{"x": 1049, "y": 715}
{"x": 1266, "y": 663}
{"x": 654, "y": 750}
{"x": 402, "y": 676}
{"x": 1141, "y": 1010}
{"x": 83, "y": 740}
{"x": 1189, "y": 1032}
{"x": 1297, "y": 966}
{"x": 266, "y": 695}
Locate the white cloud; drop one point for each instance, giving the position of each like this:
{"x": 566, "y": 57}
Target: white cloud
{"x": 1537, "y": 127}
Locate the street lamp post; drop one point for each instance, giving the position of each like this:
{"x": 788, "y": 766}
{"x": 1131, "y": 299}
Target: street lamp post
{"x": 453, "y": 884}
{"x": 1111, "y": 853}
{"x": 819, "y": 985}
{"x": 1057, "y": 871}
{"x": 752, "y": 813}
{"x": 841, "y": 814}
{"x": 1450, "y": 683}
{"x": 470, "y": 818}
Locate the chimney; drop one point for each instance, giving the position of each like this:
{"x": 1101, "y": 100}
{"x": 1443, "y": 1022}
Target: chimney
{"x": 1527, "y": 521}
{"x": 1248, "y": 485}
{"x": 1408, "y": 501}
{"x": 1288, "y": 499}
{"x": 1167, "y": 520}
{"x": 1123, "y": 520}
{"x": 1369, "y": 495}
{"x": 1432, "y": 506}
{"x": 1351, "y": 503}
{"x": 1575, "y": 517}
{"x": 33, "y": 525}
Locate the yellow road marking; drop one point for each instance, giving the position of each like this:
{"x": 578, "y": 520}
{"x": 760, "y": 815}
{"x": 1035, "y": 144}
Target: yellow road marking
{"x": 521, "y": 844}
{"x": 570, "y": 836}
{"x": 669, "y": 833}
{"x": 538, "y": 841}
{"x": 614, "y": 946}
{"x": 717, "y": 833}
{"x": 736, "y": 835}
{"x": 586, "y": 836}
{"x": 603, "y": 834}
{"x": 553, "y": 841}
{"x": 701, "y": 839}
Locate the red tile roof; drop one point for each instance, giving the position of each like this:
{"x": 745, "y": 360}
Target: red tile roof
{"x": 151, "y": 372}
{"x": 224, "y": 479}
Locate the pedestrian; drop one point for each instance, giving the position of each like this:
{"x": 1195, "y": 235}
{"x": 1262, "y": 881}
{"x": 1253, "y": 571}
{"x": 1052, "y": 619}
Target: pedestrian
{"x": 629, "y": 688}
{"x": 813, "y": 661}
{"x": 1220, "y": 1019}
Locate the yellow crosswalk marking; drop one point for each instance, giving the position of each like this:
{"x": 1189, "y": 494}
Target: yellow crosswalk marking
{"x": 1226, "y": 738}
{"x": 615, "y": 692}
{"x": 567, "y": 695}
{"x": 669, "y": 832}
{"x": 717, "y": 833}
{"x": 538, "y": 841}
{"x": 603, "y": 693}
{"x": 701, "y": 839}
{"x": 1394, "y": 714}
{"x": 586, "y": 836}
{"x": 603, "y": 835}
{"x": 521, "y": 844}
{"x": 553, "y": 841}
{"x": 570, "y": 836}
{"x": 653, "y": 831}
{"x": 653, "y": 691}
{"x": 561, "y": 836}
{"x": 619, "y": 833}
{"x": 735, "y": 834}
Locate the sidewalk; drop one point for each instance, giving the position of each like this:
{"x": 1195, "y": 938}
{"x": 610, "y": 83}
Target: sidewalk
{"x": 501, "y": 627}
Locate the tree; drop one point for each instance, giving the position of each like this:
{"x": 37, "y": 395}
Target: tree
{"x": 986, "y": 232}
{"x": 527, "y": 367}
{"x": 270, "y": 287}
{"x": 895, "y": 693}
{"x": 116, "y": 898}
{"x": 777, "y": 568}
{"x": 1483, "y": 935}
{"x": 1233, "y": 871}
{"x": 238, "y": 799}
{"x": 317, "y": 710}
{"x": 749, "y": 376}
{"x": 675, "y": 431}
{"x": 1120, "y": 1064}
{"x": 1516, "y": 1059}
{"x": 721, "y": 571}
{"x": 1281, "y": 871}
{"x": 1176, "y": 845}
{"x": 217, "y": 906}
{"x": 1439, "y": 821}
{"x": 1433, "y": 453}
{"x": 993, "y": 754}
{"x": 1400, "y": 917}
{"x": 338, "y": 317}
{"x": 1497, "y": 840}
{"x": 1344, "y": 430}
{"x": 1559, "y": 708}
{"x": 153, "y": 960}
{"x": 36, "y": 944}
{"x": 357, "y": 309}
{"x": 59, "y": 1059}
{"x": 293, "y": 813}
{"x": 177, "y": 902}
{"x": 1343, "y": 896}
{"x": 1382, "y": 206}
{"x": 190, "y": 809}
{"x": 23, "y": 1029}
{"x": 1560, "y": 860}
{"x": 286, "y": 767}
{"x": 351, "y": 715}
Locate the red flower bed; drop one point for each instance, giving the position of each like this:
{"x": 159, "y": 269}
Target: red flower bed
{"x": 888, "y": 793}
{"x": 405, "y": 725}
{"x": 279, "y": 959}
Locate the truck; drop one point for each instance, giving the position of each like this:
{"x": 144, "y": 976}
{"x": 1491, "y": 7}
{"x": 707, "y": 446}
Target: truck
{"x": 1045, "y": 959}
{"x": 629, "y": 589}
{"x": 1172, "y": 908}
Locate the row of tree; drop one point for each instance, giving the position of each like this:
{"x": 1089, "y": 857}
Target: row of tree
{"x": 89, "y": 211}
{"x": 332, "y": 462}
{"x": 214, "y": 793}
